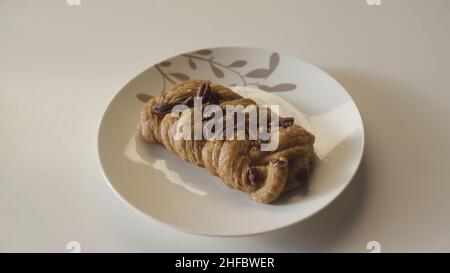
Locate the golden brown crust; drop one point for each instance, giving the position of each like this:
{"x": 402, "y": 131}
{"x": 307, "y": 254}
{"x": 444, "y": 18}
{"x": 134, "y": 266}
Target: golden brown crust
{"x": 240, "y": 164}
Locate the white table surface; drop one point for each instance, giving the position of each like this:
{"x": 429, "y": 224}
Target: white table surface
{"x": 60, "y": 66}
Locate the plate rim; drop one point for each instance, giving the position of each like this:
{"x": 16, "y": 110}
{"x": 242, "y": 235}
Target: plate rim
{"x": 229, "y": 234}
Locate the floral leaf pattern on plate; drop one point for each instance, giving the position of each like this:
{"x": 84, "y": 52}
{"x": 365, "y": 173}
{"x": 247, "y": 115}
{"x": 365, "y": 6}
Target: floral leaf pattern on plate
{"x": 143, "y": 97}
{"x": 238, "y": 63}
{"x": 274, "y": 61}
{"x": 206, "y": 56}
{"x": 258, "y": 73}
{"x": 217, "y": 71}
{"x": 192, "y": 64}
{"x": 278, "y": 88}
{"x": 204, "y": 52}
{"x": 165, "y": 64}
{"x": 180, "y": 76}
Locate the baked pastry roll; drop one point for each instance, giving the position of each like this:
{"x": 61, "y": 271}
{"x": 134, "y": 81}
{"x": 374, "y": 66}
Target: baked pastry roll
{"x": 240, "y": 164}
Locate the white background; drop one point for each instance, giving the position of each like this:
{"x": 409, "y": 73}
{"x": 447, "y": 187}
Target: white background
{"x": 60, "y": 65}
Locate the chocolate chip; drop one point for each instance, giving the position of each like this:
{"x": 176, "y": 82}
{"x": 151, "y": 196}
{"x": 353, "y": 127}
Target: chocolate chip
{"x": 286, "y": 122}
{"x": 302, "y": 175}
{"x": 208, "y": 96}
{"x": 255, "y": 143}
{"x": 253, "y": 176}
{"x": 280, "y": 163}
{"x": 214, "y": 98}
{"x": 163, "y": 107}
{"x": 209, "y": 117}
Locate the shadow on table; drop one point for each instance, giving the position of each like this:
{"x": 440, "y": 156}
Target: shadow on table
{"x": 323, "y": 229}
{"x": 326, "y": 228}
{"x": 392, "y": 111}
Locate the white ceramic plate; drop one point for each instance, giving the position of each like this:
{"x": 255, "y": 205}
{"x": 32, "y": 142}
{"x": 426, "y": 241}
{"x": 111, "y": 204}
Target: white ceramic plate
{"x": 174, "y": 192}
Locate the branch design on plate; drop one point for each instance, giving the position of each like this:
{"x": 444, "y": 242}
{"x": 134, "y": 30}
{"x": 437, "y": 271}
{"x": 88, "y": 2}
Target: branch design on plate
{"x": 219, "y": 69}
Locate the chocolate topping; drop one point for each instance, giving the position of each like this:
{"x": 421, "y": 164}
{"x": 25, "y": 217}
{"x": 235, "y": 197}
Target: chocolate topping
{"x": 302, "y": 175}
{"x": 286, "y": 122}
{"x": 253, "y": 176}
{"x": 280, "y": 163}
{"x": 163, "y": 108}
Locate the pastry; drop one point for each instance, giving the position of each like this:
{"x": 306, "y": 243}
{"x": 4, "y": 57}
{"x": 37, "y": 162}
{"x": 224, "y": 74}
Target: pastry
{"x": 240, "y": 164}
